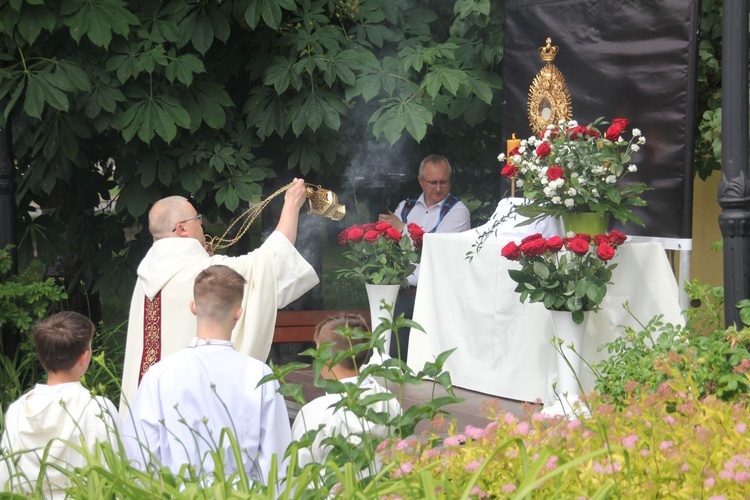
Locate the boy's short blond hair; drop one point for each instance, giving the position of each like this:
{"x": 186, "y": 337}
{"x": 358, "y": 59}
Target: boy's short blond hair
{"x": 61, "y": 339}
{"x": 326, "y": 332}
{"x": 217, "y": 291}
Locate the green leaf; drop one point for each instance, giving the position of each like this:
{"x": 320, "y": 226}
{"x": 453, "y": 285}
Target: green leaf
{"x": 541, "y": 270}
{"x": 97, "y": 20}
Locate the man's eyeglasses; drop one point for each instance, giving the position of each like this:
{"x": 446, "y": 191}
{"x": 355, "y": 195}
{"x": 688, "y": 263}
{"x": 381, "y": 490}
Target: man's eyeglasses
{"x": 434, "y": 184}
{"x": 198, "y": 217}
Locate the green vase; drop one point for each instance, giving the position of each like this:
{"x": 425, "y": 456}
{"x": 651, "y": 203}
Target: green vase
{"x": 585, "y": 222}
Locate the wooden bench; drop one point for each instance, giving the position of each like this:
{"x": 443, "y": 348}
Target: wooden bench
{"x": 298, "y": 326}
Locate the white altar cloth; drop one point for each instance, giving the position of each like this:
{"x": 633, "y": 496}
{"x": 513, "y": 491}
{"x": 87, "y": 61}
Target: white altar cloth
{"x": 502, "y": 346}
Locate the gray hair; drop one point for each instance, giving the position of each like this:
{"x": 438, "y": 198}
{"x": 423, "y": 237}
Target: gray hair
{"x": 434, "y": 159}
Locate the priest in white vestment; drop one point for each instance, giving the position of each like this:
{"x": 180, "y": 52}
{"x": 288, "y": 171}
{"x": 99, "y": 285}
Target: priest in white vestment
{"x": 189, "y": 403}
{"x": 160, "y": 322}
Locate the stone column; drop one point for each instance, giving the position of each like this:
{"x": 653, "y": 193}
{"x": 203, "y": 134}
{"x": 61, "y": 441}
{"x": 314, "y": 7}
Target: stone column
{"x": 734, "y": 189}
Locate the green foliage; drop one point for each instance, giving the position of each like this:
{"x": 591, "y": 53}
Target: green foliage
{"x": 214, "y": 98}
{"x": 708, "y": 110}
{"x": 22, "y": 303}
{"x": 717, "y": 363}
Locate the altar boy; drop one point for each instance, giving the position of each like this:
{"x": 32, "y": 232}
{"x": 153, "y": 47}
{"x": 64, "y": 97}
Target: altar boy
{"x": 188, "y": 402}
{"x": 48, "y": 428}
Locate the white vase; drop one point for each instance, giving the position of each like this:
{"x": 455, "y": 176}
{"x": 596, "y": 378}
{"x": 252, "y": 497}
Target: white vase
{"x": 377, "y": 295}
{"x": 568, "y": 367}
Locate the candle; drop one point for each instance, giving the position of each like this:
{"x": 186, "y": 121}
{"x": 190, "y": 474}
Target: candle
{"x": 513, "y": 143}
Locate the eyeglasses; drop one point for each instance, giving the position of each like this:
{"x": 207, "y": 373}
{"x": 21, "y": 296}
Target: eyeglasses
{"x": 198, "y": 217}
{"x": 434, "y": 184}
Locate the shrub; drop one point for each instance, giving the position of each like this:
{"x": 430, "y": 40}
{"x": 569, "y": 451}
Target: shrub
{"x": 717, "y": 362}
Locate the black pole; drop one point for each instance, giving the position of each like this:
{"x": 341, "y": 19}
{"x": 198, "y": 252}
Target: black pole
{"x": 7, "y": 196}
{"x": 734, "y": 189}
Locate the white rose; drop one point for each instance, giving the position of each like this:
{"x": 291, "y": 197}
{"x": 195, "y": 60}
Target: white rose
{"x": 611, "y": 179}
{"x": 632, "y": 168}
{"x": 569, "y": 202}
{"x": 635, "y": 148}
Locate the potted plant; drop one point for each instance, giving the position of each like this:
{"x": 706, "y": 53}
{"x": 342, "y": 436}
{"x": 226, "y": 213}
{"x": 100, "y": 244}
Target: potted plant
{"x": 576, "y": 169}
{"x": 382, "y": 258}
{"x": 569, "y": 276}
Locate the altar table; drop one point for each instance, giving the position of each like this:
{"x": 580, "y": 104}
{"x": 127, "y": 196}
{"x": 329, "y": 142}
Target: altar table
{"x": 502, "y": 346}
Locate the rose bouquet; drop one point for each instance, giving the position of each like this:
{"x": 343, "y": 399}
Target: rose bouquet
{"x": 576, "y": 168}
{"x": 380, "y": 253}
{"x": 564, "y": 274}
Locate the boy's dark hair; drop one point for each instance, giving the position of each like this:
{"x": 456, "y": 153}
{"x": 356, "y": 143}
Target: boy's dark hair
{"x": 61, "y": 339}
{"x": 325, "y": 332}
{"x": 217, "y": 291}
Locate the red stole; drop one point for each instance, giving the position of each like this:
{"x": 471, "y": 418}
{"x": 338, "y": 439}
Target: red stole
{"x": 151, "y": 333}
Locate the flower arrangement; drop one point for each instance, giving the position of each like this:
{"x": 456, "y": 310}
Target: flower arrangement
{"x": 574, "y": 279}
{"x": 576, "y": 168}
{"x": 381, "y": 254}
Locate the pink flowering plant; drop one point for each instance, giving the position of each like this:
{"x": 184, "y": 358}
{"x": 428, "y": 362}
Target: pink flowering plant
{"x": 577, "y": 168}
{"x": 564, "y": 274}
{"x": 380, "y": 254}
{"x": 668, "y": 444}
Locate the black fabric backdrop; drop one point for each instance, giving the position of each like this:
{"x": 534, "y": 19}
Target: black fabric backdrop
{"x": 634, "y": 59}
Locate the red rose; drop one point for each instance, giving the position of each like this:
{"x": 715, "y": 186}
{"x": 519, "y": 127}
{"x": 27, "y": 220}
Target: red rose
{"x": 617, "y": 238}
{"x": 584, "y": 236}
{"x": 578, "y": 246}
{"x": 393, "y": 234}
{"x": 605, "y": 251}
{"x": 613, "y": 133}
{"x": 511, "y": 251}
{"x": 343, "y": 237}
{"x": 371, "y": 236}
{"x": 577, "y": 132}
{"x": 531, "y": 237}
{"x": 382, "y": 227}
{"x": 555, "y": 244}
{"x": 591, "y": 132}
{"x": 514, "y": 151}
{"x": 416, "y": 233}
{"x": 555, "y": 172}
{"x": 355, "y": 234}
{"x": 534, "y": 247}
{"x": 601, "y": 238}
{"x": 623, "y": 123}
{"x": 509, "y": 170}
{"x": 543, "y": 150}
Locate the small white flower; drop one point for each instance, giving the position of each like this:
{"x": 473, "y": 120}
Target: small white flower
{"x": 594, "y": 192}
{"x": 636, "y": 132}
{"x": 544, "y": 181}
{"x": 641, "y": 140}
{"x": 556, "y": 200}
{"x": 501, "y": 157}
{"x": 548, "y": 191}
{"x": 632, "y": 168}
{"x": 572, "y": 192}
{"x": 519, "y": 183}
{"x": 521, "y": 149}
{"x": 635, "y": 148}
{"x": 620, "y": 140}
{"x": 611, "y": 179}
{"x": 559, "y": 183}
{"x": 569, "y": 202}
{"x": 572, "y": 123}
